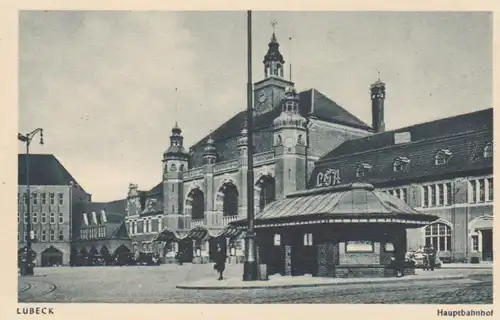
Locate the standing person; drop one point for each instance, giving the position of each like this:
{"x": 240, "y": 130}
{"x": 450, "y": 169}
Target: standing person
{"x": 432, "y": 257}
{"x": 220, "y": 261}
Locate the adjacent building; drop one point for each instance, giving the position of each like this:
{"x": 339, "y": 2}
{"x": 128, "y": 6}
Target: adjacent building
{"x": 56, "y": 198}
{"x": 102, "y": 232}
{"x": 442, "y": 167}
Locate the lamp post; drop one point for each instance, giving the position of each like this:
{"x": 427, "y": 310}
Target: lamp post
{"x": 27, "y": 263}
{"x": 250, "y": 265}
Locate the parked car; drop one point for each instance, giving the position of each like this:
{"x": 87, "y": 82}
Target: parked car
{"x": 418, "y": 257}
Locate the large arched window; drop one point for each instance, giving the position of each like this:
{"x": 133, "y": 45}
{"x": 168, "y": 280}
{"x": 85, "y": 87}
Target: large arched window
{"x": 266, "y": 188}
{"x": 196, "y": 204}
{"x": 230, "y": 200}
{"x": 438, "y": 235}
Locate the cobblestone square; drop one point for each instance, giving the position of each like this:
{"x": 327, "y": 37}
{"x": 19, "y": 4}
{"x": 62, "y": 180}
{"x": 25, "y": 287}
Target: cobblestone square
{"x": 144, "y": 284}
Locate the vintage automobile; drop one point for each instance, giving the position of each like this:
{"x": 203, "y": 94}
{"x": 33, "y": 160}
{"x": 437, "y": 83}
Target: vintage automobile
{"x": 419, "y": 259}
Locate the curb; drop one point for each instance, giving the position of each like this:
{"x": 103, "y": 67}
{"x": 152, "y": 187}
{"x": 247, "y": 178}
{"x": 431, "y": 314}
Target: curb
{"x": 465, "y": 268}
{"x": 309, "y": 285}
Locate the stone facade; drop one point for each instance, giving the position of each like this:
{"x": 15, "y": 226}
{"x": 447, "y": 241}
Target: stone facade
{"x": 443, "y": 168}
{"x": 206, "y": 185}
{"x": 55, "y": 212}
{"x": 467, "y": 212}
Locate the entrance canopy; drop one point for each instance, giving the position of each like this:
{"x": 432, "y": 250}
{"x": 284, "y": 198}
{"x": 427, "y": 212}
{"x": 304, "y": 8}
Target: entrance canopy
{"x": 352, "y": 203}
{"x": 198, "y": 233}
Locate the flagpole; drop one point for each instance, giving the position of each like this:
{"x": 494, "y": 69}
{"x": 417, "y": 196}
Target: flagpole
{"x": 250, "y": 265}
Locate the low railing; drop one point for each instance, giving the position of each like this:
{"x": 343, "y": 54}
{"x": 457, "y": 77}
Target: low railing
{"x": 193, "y": 173}
{"x": 197, "y": 222}
{"x": 226, "y": 166}
{"x": 228, "y": 219}
{"x": 263, "y": 157}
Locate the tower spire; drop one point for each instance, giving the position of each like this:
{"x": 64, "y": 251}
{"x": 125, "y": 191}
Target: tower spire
{"x": 273, "y": 60}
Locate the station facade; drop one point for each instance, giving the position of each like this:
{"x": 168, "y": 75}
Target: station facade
{"x": 204, "y": 188}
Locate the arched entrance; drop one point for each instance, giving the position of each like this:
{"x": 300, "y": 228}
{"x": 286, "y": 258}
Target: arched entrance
{"x": 228, "y": 195}
{"x": 265, "y": 189}
{"x": 52, "y": 257}
{"x": 481, "y": 237}
{"x": 105, "y": 254}
{"x": 195, "y": 204}
{"x": 185, "y": 253}
{"x": 122, "y": 249}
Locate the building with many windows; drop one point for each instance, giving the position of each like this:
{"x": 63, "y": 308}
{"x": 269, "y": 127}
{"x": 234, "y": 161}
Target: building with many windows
{"x": 56, "y": 198}
{"x": 204, "y": 187}
{"x": 443, "y": 167}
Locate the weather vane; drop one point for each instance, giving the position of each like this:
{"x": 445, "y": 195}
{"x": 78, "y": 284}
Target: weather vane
{"x": 273, "y": 24}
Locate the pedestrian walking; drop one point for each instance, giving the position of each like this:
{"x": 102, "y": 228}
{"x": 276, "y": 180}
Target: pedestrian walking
{"x": 220, "y": 261}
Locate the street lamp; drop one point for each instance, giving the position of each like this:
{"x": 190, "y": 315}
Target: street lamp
{"x": 27, "y": 261}
{"x": 250, "y": 265}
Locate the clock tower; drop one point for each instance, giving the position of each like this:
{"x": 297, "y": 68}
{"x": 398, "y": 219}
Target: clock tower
{"x": 271, "y": 90}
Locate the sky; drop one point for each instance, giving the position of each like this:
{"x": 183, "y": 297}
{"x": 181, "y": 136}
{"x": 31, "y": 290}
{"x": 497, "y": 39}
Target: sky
{"x": 102, "y": 84}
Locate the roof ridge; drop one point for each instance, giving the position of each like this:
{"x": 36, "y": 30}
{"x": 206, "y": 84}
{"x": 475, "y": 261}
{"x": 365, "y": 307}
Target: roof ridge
{"x": 440, "y": 119}
{"x": 316, "y": 91}
{"x": 393, "y": 145}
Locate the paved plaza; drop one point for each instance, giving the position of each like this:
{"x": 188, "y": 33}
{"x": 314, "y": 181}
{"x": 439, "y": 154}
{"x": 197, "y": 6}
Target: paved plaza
{"x": 143, "y": 284}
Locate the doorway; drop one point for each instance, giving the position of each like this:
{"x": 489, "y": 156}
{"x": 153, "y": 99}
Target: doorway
{"x": 52, "y": 257}
{"x": 304, "y": 254}
{"x": 487, "y": 247}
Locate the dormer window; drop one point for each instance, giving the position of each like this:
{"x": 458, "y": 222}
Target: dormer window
{"x": 488, "y": 150}
{"x": 362, "y": 169}
{"x": 442, "y": 157}
{"x": 104, "y": 219}
{"x": 400, "y": 163}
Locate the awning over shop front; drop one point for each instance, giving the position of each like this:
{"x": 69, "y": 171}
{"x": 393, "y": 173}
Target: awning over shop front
{"x": 353, "y": 203}
{"x": 198, "y": 233}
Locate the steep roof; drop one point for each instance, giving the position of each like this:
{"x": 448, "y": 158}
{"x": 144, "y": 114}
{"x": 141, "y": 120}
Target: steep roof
{"x": 464, "y": 136}
{"x": 115, "y": 210}
{"x": 158, "y": 189}
{"x": 115, "y": 217}
{"x": 470, "y": 122}
{"x": 312, "y": 104}
{"x": 44, "y": 170}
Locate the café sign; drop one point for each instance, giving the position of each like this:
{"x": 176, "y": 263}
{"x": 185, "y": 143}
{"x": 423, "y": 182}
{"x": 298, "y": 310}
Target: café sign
{"x": 330, "y": 177}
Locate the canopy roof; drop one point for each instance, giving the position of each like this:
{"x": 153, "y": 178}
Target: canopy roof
{"x": 340, "y": 204}
{"x": 197, "y": 233}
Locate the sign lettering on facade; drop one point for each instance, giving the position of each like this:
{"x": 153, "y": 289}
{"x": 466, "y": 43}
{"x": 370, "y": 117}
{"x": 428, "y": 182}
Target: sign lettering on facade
{"x": 330, "y": 177}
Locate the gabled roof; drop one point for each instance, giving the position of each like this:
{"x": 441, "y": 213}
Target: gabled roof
{"x": 465, "y": 137}
{"x": 44, "y": 170}
{"x": 312, "y": 104}
{"x": 115, "y": 210}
